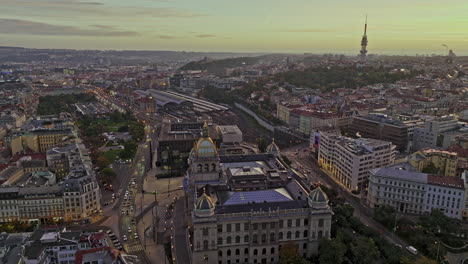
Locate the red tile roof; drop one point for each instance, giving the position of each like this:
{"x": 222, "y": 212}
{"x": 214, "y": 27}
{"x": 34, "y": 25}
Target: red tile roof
{"x": 446, "y": 181}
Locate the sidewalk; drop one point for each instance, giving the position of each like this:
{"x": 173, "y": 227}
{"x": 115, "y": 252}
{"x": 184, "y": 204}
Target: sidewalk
{"x": 155, "y": 251}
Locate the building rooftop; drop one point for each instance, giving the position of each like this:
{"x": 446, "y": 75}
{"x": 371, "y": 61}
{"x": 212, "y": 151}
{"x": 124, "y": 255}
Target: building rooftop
{"x": 260, "y": 196}
{"x": 445, "y": 181}
{"x": 402, "y": 171}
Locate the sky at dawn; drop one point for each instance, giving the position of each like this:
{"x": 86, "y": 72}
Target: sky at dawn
{"x": 297, "y": 26}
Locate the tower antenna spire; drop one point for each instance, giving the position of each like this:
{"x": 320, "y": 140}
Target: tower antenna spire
{"x": 365, "y": 27}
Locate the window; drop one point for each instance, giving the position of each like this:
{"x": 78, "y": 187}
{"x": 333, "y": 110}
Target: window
{"x": 297, "y": 234}
{"x": 205, "y": 244}
{"x": 288, "y": 235}
{"x": 228, "y": 240}
{"x": 246, "y": 251}
{"x": 306, "y": 233}
{"x": 205, "y": 231}
{"x": 272, "y": 225}
{"x": 228, "y": 227}
{"x": 272, "y": 251}
{"x": 220, "y": 228}
{"x": 220, "y": 240}
{"x": 237, "y": 227}
{"x": 246, "y": 238}
{"x": 281, "y": 224}
{"x": 264, "y": 251}
{"x": 255, "y": 238}
{"x": 306, "y": 222}
{"x": 237, "y": 252}
{"x": 255, "y": 252}
{"x": 264, "y": 238}
{"x": 320, "y": 222}
{"x": 255, "y": 226}
{"x": 237, "y": 239}
{"x": 272, "y": 237}
{"x": 220, "y": 253}
{"x": 289, "y": 223}
{"x": 229, "y": 252}
{"x": 320, "y": 234}
{"x": 264, "y": 225}
{"x": 304, "y": 246}
{"x": 246, "y": 226}
{"x": 298, "y": 222}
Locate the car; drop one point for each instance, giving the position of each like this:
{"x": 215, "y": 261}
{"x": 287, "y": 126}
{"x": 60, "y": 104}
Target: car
{"x": 109, "y": 232}
{"x": 124, "y": 238}
{"x": 123, "y": 212}
{"x": 136, "y": 236}
{"x": 129, "y": 230}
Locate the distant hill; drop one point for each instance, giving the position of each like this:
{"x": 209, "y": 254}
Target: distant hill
{"x": 217, "y": 66}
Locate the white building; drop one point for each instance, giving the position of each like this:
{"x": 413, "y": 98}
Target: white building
{"x": 230, "y": 134}
{"x": 350, "y": 160}
{"x": 409, "y": 191}
{"x": 429, "y": 135}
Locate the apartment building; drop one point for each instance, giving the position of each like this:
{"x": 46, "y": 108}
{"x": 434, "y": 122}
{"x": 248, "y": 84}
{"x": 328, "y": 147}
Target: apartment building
{"x": 431, "y": 134}
{"x": 350, "y": 160}
{"x": 440, "y": 161}
{"x": 410, "y": 191}
{"x": 383, "y": 127}
{"x": 38, "y": 140}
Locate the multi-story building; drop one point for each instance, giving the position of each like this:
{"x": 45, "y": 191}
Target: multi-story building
{"x": 12, "y": 119}
{"x": 56, "y": 245}
{"x": 430, "y": 135}
{"x": 38, "y": 140}
{"x": 350, "y": 160}
{"x": 378, "y": 126}
{"x": 442, "y": 162}
{"x": 176, "y": 140}
{"x": 58, "y": 159}
{"x": 246, "y": 207}
{"x": 410, "y": 191}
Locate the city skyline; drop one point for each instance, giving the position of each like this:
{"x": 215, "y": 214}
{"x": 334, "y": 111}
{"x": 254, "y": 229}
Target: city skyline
{"x": 420, "y": 27}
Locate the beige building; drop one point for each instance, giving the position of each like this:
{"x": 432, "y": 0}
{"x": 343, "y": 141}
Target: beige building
{"x": 350, "y": 160}
{"x": 444, "y": 162}
{"x": 38, "y": 141}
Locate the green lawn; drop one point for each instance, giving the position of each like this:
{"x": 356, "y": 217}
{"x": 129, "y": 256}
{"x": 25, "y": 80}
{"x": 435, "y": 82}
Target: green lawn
{"x": 111, "y": 155}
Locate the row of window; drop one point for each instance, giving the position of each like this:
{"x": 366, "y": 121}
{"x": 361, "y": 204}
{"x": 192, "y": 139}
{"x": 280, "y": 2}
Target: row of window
{"x": 262, "y": 226}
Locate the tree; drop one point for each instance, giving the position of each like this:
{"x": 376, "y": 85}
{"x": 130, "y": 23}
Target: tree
{"x": 288, "y": 255}
{"x": 420, "y": 260}
{"x": 331, "y": 251}
{"x": 108, "y": 174}
{"x": 102, "y": 162}
{"x": 364, "y": 251}
{"x": 262, "y": 144}
{"x": 386, "y": 215}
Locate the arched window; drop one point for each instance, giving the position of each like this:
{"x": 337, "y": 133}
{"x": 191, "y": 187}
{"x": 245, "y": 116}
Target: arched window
{"x": 255, "y": 238}
{"x": 237, "y": 252}
{"x": 264, "y": 251}
{"x": 220, "y": 253}
{"x": 199, "y": 168}
{"x": 280, "y": 236}
{"x": 237, "y": 239}
{"x": 264, "y": 238}
{"x": 297, "y": 234}
{"x": 255, "y": 252}
{"x": 207, "y": 168}
{"x": 288, "y": 235}
{"x": 229, "y": 252}
{"x": 246, "y": 251}
{"x": 272, "y": 237}
{"x": 246, "y": 238}
{"x": 306, "y": 233}
{"x": 213, "y": 167}
{"x": 205, "y": 244}
{"x": 228, "y": 240}
{"x": 272, "y": 250}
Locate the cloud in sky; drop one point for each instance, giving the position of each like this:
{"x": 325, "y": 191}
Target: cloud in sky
{"x": 206, "y": 36}
{"x": 17, "y": 26}
{"x": 166, "y": 37}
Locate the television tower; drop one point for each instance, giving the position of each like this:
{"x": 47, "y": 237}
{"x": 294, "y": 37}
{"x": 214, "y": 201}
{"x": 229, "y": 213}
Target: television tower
{"x": 363, "y": 52}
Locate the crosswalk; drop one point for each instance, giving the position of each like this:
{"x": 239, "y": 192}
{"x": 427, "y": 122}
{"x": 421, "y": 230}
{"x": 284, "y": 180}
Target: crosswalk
{"x": 133, "y": 248}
